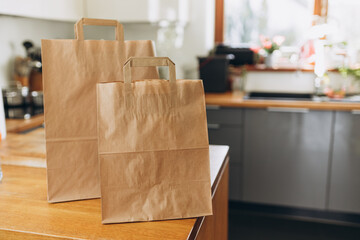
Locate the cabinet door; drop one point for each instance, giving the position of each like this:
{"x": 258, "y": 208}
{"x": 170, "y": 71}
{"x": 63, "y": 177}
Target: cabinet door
{"x": 286, "y": 153}
{"x": 345, "y": 169}
{"x": 231, "y": 136}
{"x": 225, "y": 128}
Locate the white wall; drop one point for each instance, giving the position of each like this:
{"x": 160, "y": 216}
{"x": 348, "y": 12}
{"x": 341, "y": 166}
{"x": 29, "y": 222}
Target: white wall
{"x": 14, "y": 30}
{"x": 198, "y": 37}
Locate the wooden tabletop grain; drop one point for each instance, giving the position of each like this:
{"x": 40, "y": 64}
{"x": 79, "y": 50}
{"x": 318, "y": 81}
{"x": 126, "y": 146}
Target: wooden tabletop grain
{"x": 26, "y": 214}
{"x": 19, "y": 125}
{"x": 230, "y": 99}
{"x": 24, "y": 149}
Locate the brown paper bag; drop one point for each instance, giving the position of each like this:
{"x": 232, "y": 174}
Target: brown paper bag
{"x": 71, "y": 69}
{"x": 153, "y": 147}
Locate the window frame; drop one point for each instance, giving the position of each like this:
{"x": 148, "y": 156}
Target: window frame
{"x": 320, "y": 9}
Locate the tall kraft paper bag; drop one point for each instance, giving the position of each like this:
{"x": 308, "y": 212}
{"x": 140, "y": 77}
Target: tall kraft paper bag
{"x": 71, "y": 69}
{"x": 153, "y": 147}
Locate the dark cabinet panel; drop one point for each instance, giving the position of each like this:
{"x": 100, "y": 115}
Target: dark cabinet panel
{"x": 286, "y": 156}
{"x": 225, "y": 128}
{"x": 228, "y": 116}
{"x": 345, "y": 170}
{"x": 225, "y": 135}
{"x": 232, "y": 137}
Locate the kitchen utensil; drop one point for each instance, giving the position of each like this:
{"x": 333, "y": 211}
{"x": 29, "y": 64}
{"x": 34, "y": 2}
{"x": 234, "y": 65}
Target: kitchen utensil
{"x": 13, "y": 97}
{"x": 16, "y": 96}
{"x": 37, "y": 98}
{"x": 35, "y": 81}
{"x": 22, "y": 70}
{"x": 23, "y": 112}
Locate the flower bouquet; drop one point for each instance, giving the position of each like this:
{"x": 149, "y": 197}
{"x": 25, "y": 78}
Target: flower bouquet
{"x": 271, "y": 45}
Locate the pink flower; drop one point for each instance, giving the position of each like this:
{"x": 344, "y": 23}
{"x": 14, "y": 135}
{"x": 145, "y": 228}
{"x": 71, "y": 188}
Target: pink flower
{"x": 278, "y": 40}
{"x": 267, "y": 44}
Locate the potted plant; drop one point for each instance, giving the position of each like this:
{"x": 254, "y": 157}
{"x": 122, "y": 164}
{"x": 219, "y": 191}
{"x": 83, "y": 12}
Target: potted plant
{"x": 269, "y": 45}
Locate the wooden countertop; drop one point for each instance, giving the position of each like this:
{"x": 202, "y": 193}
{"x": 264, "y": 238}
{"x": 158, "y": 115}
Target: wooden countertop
{"x": 24, "y": 149}
{"x": 19, "y": 125}
{"x": 263, "y": 68}
{"x": 25, "y": 210}
{"x": 230, "y": 99}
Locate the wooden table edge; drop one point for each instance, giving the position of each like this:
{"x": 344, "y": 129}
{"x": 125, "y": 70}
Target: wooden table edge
{"x": 199, "y": 221}
{"x": 20, "y": 125}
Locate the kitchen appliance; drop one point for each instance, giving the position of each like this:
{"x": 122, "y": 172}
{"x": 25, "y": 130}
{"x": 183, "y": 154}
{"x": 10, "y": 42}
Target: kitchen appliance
{"x": 37, "y": 98}
{"x": 18, "y": 103}
{"x": 242, "y": 55}
{"x": 12, "y": 98}
{"x": 34, "y": 62}
{"x": 22, "y": 69}
{"x": 23, "y": 112}
{"x": 214, "y": 72}
{"x": 16, "y": 96}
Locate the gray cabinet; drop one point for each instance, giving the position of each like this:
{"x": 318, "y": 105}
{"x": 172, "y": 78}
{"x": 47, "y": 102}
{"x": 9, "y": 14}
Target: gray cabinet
{"x": 225, "y": 128}
{"x": 345, "y": 168}
{"x": 286, "y": 156}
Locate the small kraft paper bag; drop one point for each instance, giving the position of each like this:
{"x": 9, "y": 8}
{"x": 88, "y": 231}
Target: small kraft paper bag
{"x": 71, "y": 69}
{"x": 153, "y": 147}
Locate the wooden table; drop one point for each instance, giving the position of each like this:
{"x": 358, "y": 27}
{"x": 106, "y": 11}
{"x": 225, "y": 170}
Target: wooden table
{"x": 26, "y": 214}
{"x": 19, "y": 125}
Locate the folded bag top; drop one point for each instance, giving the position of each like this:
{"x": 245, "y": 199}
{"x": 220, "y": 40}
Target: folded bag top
{"x": 71, "y": 69}
{"x": 153, "y": 147}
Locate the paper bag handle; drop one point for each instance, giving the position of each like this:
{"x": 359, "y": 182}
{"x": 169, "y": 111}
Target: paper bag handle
{"x": 149, "y": 62}
{"x": 79, "y": 30}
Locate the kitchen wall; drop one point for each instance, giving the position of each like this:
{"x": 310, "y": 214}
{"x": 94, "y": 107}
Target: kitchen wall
{"x": 14, "y": 30}
{"x": 198, "y": 37}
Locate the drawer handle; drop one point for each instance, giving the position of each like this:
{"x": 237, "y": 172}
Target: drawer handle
{"x": 213, "y": 126}
{"x": 212, "y": 107}
{"x": 288, "y": 110}
{"x": 356, "y": 112}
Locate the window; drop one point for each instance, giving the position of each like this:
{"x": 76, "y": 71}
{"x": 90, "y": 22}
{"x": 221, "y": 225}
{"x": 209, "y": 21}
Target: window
{"x": 246, "y": 20}
{"x": 343, "y": 18}
{"x": 243, "y": 21}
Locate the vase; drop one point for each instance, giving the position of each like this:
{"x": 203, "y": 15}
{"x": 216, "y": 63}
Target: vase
{"x": 269, "y": 61}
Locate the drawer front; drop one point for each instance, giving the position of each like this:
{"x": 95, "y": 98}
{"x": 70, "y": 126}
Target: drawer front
{"x": 220, "y": 115}
{"x": 286, "y": 156}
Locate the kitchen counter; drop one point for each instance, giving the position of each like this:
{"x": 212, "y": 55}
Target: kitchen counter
{"x": 263, "y": 68}
{"x": 26, "y": 214}
{"x": 19, "y": 125}
{"x": 230, "y": 99}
